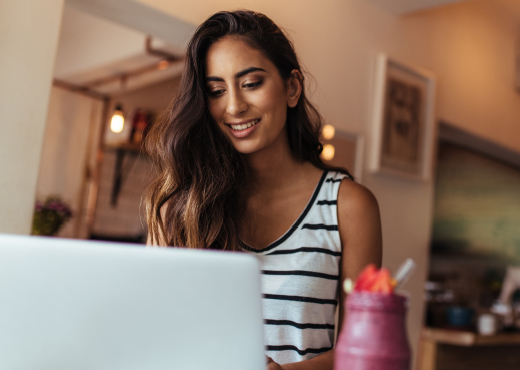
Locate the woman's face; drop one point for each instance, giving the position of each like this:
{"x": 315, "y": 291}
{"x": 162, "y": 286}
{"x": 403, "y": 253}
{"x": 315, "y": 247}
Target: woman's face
{"x": 248, "y": 98}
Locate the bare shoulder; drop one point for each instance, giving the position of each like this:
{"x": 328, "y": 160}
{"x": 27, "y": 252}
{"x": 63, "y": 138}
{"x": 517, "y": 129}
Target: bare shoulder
{"x": 354, "y": 198}
{"x": 359, "y": 226}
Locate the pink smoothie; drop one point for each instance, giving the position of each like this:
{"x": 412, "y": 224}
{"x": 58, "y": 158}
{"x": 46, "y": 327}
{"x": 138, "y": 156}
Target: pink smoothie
{"x": 373, "y": 336}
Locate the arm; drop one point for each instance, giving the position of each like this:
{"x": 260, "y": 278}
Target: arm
{"x": 324, "y": 361}
{"x": 360, "y": 233}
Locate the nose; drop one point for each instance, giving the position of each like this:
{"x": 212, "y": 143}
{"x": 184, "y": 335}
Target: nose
{"x": 236, "y": 104}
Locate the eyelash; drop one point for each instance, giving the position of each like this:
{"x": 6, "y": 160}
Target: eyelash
{"x": 251, "y": 85}
{"x": 216, "y": 93}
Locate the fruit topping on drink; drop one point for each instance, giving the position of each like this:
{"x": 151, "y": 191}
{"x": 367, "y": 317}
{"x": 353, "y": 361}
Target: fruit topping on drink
{"x": 372, "y": 279}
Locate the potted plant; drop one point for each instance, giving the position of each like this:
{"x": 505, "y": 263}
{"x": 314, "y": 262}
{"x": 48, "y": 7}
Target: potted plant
{"x": 50, "y": 215}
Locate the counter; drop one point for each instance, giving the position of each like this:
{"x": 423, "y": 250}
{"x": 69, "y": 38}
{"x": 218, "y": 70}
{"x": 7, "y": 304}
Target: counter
{"x": 433, "y": 339}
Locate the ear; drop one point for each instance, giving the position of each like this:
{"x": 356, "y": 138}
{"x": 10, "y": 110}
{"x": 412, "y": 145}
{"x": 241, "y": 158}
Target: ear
{"x": 294, "y": 88}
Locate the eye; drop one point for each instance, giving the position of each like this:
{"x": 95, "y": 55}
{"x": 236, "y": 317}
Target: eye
{"x": 252, "y": 85}
{"x": 216, "y": 93}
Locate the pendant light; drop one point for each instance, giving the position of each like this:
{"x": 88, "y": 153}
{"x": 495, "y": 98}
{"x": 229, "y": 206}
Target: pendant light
{"x": 118, "y": 120}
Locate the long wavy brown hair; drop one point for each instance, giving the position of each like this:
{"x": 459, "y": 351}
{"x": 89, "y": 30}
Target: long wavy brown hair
{"x": 199, "y": 196}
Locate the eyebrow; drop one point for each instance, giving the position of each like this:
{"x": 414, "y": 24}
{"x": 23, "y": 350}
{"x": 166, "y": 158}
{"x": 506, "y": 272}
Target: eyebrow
{"x": 237, "y": 75}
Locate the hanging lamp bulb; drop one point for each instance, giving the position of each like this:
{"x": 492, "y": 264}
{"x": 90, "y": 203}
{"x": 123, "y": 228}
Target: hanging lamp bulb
{"x": 118, "y": 120}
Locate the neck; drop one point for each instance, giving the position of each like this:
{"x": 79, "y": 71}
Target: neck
{"x": 273, "y": 169}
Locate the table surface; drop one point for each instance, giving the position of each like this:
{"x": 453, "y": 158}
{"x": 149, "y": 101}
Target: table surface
{"x": 433, "y": 338}
{"x": 468, "y": 338}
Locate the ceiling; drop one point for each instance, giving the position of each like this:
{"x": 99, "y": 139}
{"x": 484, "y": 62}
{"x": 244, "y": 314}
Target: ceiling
{"x": 91, "y": 48}
{"x": 101, "y": 38}
{"x": 408, "y": 6}
{"x": 402, "y": 7}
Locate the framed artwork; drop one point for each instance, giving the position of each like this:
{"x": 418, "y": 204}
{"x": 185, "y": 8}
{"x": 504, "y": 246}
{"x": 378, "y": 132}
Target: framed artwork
{"x": 403, "y": 120}
{"x": 347, "y": 152}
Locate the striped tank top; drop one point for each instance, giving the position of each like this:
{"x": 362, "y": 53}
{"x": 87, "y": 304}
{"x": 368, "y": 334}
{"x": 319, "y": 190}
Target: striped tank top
{"x": 300, "y": 273}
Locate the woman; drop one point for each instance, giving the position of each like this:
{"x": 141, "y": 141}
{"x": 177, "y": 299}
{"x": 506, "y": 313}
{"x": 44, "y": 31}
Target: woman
{"x": 240, "y": 169}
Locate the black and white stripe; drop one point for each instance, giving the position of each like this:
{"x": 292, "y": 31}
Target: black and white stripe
{"x": 300, "y": 273}
{"x": 327, "y": 202}
{"x": 320, "y": 227}
{"x": 301, "y": 352}
{"x": 300, "y": 326}
{"x": 306, "y": 250}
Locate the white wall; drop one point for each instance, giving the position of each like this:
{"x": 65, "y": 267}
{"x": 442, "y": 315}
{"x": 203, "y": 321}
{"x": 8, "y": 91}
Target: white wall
{"x": 28, "y": 38}
{"x": 68, "y": 154}
{"x": 474, "y": 54}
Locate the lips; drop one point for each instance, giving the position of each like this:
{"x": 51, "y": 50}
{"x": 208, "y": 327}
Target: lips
{"x": 243, "y": 126}
{"x": 242, "y": 129}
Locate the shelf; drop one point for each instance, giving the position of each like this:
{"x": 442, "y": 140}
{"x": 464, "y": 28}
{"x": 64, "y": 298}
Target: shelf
{"x": 125, "y": 146}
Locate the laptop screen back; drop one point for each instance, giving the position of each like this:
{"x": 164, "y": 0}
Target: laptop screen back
{"x": 69, "y": 304}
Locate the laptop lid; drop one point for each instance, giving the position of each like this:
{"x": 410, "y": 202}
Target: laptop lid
{"x": 71, "y": 304}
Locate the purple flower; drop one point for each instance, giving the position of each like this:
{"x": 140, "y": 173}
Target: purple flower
{"x": 50, "y": 215}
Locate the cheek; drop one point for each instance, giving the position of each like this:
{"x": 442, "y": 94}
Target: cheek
{"x": 214, "y": 109}
{"x": 273, "y": 103}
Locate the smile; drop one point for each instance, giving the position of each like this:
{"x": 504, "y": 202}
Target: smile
{"x": 244, "y": 126}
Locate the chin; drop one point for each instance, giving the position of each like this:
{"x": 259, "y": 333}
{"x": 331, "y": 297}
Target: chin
{"x": 244, "y": 150}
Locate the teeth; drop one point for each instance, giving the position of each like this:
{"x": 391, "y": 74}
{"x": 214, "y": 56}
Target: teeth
{"x": 244, "y": 125}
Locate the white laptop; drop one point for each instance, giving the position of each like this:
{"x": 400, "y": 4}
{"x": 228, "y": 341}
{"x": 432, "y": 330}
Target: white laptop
{"x": 78, "y": 305}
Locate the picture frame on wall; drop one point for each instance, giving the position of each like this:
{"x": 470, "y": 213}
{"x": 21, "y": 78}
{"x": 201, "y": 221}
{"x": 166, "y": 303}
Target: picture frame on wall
{"x": 404, "y": 122}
